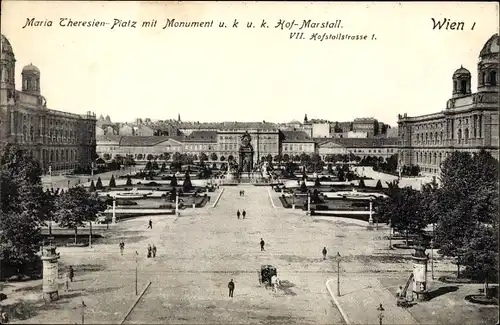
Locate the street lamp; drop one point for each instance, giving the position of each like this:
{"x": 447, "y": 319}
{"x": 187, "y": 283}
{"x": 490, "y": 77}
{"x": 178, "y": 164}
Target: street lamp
{"x": 432, "y": 258}
{"x": 308, "y": 203}
{"x": 337, "y": 258}
{"x": 380, "y": 314}
{"x": 136, "y": 261}
{"x": 390, "y": 233}
{"x": 83, "y": 311}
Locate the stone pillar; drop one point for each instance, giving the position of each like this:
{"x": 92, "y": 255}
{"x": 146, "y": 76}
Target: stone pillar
{"x": 420, "y": 259}
{"x": 50, "y": 273}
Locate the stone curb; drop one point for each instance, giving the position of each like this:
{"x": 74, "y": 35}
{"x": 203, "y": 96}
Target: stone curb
{"x": 337, "y": 302}
{"x": 271, "y": 198}
{"x": 135, "y": 303}
{"x": 218, "y": 198}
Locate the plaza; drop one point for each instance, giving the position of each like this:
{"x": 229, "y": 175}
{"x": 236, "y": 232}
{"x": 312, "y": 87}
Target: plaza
{"x": 201, "y": 250}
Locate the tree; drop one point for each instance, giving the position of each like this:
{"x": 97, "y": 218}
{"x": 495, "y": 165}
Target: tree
{"x": 467, "y": 209}
{"x": 75, "y": 207}
{"x": 341, "y": 175}
{"x": 230, "y": 158}
{"x": 112, "y": 182}
{"x": 379, "y": 185}
{"x": 129, "y": 181}
{"x": 92, "y": 186}
{"x": 139, "y": 156}
{"x": 187, "y": 186}
{"x": 166, "y": 156}
{"x": 361, "y": 184}
{"x": 222, "y": 158}
{"x": 163, "y": 167}
{"x": 203, "y": 157}
{"x": 107, "y": 156}
{"x": 316, "y": 182}
{"x": 173, "y": 181}
{"x": 24, "y": 207}
{"x": 98, "y": 185}
{"x": 149, "y": 165}
{"x": 286, "y": 158}
{"x": 149, "y": 157}
{"x": 213, "y": 156}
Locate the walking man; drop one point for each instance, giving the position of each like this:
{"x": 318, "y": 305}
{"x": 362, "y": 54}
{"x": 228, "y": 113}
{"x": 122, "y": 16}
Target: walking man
{"x": 238, "y": 214}
{"x": 122, "y": 246}
{"x": 324, "y": 253}
{"x": 244, "y": 214}
{"x": 230, "y": 286}
{"x": 262, "y": 243}
{"x": 154, "y": 250}
{"x": 71, "y": 273}
{"x": 66, "y": 281}
{"x": 149, "y": 250}
{"x": 150, "y": 224}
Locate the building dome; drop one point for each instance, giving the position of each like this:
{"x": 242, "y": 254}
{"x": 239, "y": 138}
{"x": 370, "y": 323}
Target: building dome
{"x": 461, "y": 72}
{"x": 6, "y": 48}
{"x": 490, "y": 47}
{"x": 30, "y": 68}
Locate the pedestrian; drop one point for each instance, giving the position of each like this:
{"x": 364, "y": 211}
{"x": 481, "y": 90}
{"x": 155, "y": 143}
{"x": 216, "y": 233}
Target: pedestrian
{"x": 238, "y": 214}
{"x": 66, "y": 281}
{"x": 244, "y": 214}
{"x": 121, "y": 247}
{"x": 149, "y": 250}
{"x": 262, "y": 243}
{"x": 154, "y": 250}
{"x": 230, "y": 286}
{"x": 399, "y": 292}
{"x": 150, "y": 224}
{"x": 324, "y": 253}
{"x": 71, "y": 273}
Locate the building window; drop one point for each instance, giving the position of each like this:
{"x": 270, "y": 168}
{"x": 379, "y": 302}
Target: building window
{"x": 493, "y": 78}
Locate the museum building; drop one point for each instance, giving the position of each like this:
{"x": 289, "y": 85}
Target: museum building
{"x": 61, "y": 141}
{"x": 469, "y": 123}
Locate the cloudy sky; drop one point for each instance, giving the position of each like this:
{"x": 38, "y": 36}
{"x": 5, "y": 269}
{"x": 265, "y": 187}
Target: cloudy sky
{"x": 248, "y": 74}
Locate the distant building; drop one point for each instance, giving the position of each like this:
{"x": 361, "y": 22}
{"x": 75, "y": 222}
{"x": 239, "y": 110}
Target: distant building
{"x": 320, "y": 130}
{"x": 469, "y": 122}
{"x": 60, "y": 141}
{"x": 368, "y": 125}
{"x": 361, "y": 147}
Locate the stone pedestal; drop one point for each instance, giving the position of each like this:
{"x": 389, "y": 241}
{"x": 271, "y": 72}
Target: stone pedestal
{"x": 50, "y": 273}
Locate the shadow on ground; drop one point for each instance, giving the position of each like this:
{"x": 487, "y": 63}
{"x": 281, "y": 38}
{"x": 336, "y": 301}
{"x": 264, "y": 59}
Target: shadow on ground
{"x": 441, "y": 291}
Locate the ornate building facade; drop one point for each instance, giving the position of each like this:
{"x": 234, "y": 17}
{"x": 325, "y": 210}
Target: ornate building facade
{"x": 469, "y": 122}
{"x": 60, "y": 141}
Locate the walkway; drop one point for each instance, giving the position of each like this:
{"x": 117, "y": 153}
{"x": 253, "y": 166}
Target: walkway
{"x": 361, "y": 296}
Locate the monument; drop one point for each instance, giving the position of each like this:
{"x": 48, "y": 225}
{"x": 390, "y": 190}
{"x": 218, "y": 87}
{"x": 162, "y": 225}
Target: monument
{"x": 246, "y": 154}
{"x": 50, "y": 273}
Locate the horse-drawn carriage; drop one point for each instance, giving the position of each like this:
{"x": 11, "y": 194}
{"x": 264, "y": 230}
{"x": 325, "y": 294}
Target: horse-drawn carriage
{"x": 266, "y": 273}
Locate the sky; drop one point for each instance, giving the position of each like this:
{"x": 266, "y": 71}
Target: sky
{"x": 248, "y": 74}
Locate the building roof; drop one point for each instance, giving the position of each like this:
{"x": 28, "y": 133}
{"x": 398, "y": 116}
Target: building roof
{"x": 461, "y": 71}
{"x": 201, "y": 136}
{"x": 141, "y": 141}
{"x": 363, "y": 142}
{"x": 491, "y": 46}
{"x": 295, "y": 136}
{"x": 108, "y": 138}
{"x": 31, "y": 68}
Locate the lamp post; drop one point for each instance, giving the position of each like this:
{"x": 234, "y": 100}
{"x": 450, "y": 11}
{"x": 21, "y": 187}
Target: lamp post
{"x": 293, "y": 201}
{"x": 83, "y": 311}
{"x": 308, "y": 203}
{"x": 432, "y": 258}
{"x": 390, "y": 233}
{"x": 136, "y": 261}
{"x": 380, "y": 314}
{"x": 338, "y": 257}
{"x": 90, "y": 234}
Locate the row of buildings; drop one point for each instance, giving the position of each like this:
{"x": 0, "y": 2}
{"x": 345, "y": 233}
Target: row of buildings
{"x": 65, "y": 141}
{"x": 314, "y": 128}
{"x": 59, "y": 140}
{"x": 226, "y": 142}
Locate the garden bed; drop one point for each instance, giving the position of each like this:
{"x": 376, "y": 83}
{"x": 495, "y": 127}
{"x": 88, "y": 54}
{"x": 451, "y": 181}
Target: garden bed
{"x": 482, "y": 299}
